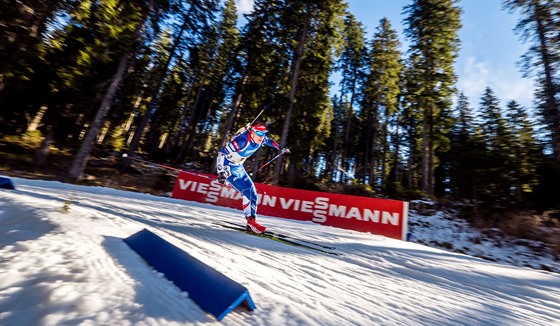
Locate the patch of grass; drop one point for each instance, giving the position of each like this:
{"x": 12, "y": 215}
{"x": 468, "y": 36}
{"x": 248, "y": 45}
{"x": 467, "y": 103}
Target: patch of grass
{"x": 521, "y": 224}
{"x": 18, "y": 160}
{"x": 68, "y": 202}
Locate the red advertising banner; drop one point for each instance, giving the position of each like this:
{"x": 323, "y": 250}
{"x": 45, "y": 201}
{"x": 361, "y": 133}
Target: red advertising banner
{"x": 379, "y": 216}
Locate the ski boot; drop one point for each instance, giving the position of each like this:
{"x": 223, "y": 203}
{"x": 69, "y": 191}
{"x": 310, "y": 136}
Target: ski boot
{"x": 253, "y": 226}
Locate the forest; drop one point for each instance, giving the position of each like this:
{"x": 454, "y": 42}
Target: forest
{"x": 171, "y": 81}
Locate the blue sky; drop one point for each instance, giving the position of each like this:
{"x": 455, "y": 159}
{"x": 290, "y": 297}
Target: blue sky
{"x": 489, "y": 49}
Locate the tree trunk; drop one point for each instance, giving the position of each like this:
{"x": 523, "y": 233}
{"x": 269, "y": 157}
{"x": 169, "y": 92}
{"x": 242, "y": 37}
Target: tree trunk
{"x": 293, "y": 85}
{"x": 373, "y": 146}
{"x": 367, "y": 153}
{"x": 431, "y": 164}
{"x": 193, "y": 118}
{"x": 34, "y": 124}
{"x": 425, "y": 150}
{"x": 43, "y": 151}
{"x": 233, "y": 113}
{"x": 80, "y": 161}
{"x": 347, "y": 145}
{"x": 552, "y": 110}
{"x": 397, "y": 143}
{"x": 149, "y": 113}
{"x": 334, "y": 163}
{"x": 178, "y": 134}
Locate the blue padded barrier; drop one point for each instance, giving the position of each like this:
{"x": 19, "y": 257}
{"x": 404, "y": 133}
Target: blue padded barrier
{"x": 6, "y": 183}
{"x": 210, "y": 289}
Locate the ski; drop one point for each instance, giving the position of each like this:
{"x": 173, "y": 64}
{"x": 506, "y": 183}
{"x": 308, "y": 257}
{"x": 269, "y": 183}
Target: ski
{"x": 275, "y": 237}
{"x": 285, "y": 236}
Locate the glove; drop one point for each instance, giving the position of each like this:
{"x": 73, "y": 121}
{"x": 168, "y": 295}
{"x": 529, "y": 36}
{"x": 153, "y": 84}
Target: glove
{"x": 222, "y": 178}
{"x": 223, "y": 174}
{"x": 284, "y": 150}
{"x": 223, "y": 171}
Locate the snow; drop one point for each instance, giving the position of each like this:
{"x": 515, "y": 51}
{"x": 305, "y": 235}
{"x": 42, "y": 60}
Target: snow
{"x": 63, "y": 262}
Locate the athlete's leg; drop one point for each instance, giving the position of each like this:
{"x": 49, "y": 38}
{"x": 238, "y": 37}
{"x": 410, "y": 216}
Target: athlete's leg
{"x": 241, "y": 181}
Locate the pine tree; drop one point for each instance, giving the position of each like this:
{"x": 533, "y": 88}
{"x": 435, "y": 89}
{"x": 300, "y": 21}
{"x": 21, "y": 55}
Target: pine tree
{"x": 410, "y": 118}
{"x": 195, "y": 17}
{"x": 216, "y": 55}
{"x": 23, "y": 31}
{"x": 380, "y": 102}
{"x": 541, "y": 25}
{"x": 135, "y": 22}
{"x": 432, "y": 28}
{"x": 464, "y": 160}
{"x": 310, "y": 67}
{"x": 497, "y": 139}
{"x": 289, "y": 46}
{"x": 351, "y": 66}
{"x": 524, "y": 155}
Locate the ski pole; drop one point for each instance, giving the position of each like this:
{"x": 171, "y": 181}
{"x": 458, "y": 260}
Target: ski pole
{"x": 258, "y": 115}
{"x": 152, "y": 163}
{"x": 167, "y": 167}
{"x": 247, "y": 126}
{"x": 267, "y": 163}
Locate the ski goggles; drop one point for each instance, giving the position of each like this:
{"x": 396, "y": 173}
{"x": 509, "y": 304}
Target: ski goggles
{"x": 259, "y": 130}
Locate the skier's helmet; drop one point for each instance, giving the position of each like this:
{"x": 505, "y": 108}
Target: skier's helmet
{"x": 259, "y": 129}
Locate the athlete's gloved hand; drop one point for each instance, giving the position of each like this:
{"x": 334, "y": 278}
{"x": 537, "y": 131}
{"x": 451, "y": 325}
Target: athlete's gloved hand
{"x": 284, "y": 150}
{"x": 222, "y": 178}
{"x": 223, "y": 171}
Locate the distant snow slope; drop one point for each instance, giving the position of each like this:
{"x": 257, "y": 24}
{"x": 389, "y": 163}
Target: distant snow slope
{"x": 443, "y": 230}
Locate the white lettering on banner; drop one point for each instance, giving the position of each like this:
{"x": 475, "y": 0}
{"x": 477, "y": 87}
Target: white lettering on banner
{"x": 268, "y": 200}
{"x": 373, "y": 216}
{"x": 320, "y": 208}
{"x": 307, "y": 206}
{"x": 215, "y": 186}
{"x": 320, "y": 212}
{"x": 213, "y": 192}
{"x": 391, "y": 218}
{"x": 184, "y": 185}
{"x": 285, "y": 204}
{"x": 202, "y": 188}
{"x": 228, "y": 193}
{"x": 368, "y": 215}
{"x": 337, "y": 211}
{"x": 354, "y": 213}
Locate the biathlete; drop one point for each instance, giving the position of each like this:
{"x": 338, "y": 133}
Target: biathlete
{"x": 230, "y": 168}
